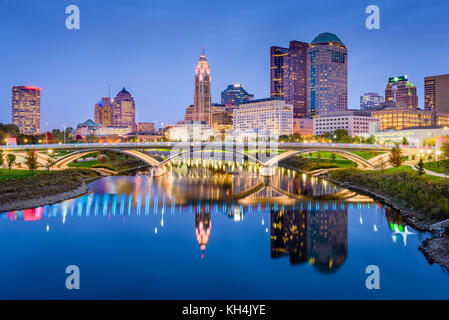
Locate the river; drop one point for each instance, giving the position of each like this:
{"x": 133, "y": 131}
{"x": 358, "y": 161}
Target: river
{"x": 197, "y": 233}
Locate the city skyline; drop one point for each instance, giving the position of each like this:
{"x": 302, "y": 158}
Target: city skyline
{"x": 78, "y": 76}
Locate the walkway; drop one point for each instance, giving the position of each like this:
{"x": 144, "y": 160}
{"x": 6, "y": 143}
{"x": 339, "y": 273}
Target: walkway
{"x": 430, "y": 173}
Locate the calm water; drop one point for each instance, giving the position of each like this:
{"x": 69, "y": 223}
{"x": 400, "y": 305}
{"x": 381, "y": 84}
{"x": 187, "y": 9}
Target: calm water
{"x": 197, "y": 234}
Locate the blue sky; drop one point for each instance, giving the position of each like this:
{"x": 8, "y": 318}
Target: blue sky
{"x": 152, "y": 47}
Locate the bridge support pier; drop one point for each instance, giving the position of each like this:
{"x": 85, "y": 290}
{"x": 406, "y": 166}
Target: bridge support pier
{"x": 267, "y": 171}
{"x": 158, "y": 171}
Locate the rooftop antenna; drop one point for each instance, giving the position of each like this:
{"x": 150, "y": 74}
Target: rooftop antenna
{"x": 109, "y": 87}
{"x": 203, "y": 51}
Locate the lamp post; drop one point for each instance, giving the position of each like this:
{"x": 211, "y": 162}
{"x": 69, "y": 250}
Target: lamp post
{"x": 64, "y": 132}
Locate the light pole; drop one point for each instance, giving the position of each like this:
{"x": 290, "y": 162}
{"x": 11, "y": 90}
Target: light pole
{"x": 64, "y": 132}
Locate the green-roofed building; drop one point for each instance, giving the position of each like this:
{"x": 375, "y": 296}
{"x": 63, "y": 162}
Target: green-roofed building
{"x": 327, "y": 75}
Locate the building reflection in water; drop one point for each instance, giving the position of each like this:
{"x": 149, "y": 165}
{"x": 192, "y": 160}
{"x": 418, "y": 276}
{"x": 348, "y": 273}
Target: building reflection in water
{"x": 303, "y": 227}
{"x": 317, "y": 236}
{"x": 202, "y": 229}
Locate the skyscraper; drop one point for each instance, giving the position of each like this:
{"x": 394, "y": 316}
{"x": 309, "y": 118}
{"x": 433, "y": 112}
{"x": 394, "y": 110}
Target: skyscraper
{"x": 327, "y": 75}
{"x": 124, "y": 111}
{"x": 103, "y": 112}
{"x": 399, "y": 89}
{"x": 277, "y": 66}
{"x": 371, "y": 100}
{"x": 203, "y": 98}
{"x": 234, "y": 95}
{"x": 26, "y": 109}
{"x": 436, "y": 93}
{"x": 288, "y": 75}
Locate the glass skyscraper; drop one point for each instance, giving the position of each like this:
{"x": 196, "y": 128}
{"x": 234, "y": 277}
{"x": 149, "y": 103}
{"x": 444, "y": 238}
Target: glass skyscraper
{"x": 327, "y": 76}
{"x": 288, "y": 76}
{"x": 234, "y": 95}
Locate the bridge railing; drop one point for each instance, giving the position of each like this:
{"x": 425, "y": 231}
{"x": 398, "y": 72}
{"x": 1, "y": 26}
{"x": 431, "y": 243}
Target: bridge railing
{"x": 209, "y": 144}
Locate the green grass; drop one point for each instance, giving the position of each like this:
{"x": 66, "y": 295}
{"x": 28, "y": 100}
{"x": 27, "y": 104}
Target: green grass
{"x": 410, "y": 169}
{"x": 83, "y": 164}
{"x": 17, "y": 173}
{"x": 434, "y": 166}
{"x": 46, "y": 183}
{"x": 367, "y": 154}
{"x": 427, "y": 196}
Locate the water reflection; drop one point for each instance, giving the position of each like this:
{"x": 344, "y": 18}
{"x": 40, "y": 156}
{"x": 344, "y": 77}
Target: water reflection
{"x": 308, "y": 216}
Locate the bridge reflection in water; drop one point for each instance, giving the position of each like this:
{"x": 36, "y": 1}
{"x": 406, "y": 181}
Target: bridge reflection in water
{"x": 308, "y": 218}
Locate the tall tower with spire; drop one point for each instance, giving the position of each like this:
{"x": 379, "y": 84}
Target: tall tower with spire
{"x": 202, "y": 105}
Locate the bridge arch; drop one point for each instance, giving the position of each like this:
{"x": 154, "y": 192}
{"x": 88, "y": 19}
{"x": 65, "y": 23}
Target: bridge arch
{"x": 64, "y": 161}
{"x": 179, "y": 154}
{"x": 345, "y": 154}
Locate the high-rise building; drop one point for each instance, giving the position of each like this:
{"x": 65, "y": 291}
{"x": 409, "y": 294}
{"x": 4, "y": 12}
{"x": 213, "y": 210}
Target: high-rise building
{"x": 436, "y": 97}
{"x": 288, "y": 76}
{"x": 103, "y": 112}
{"x": 234, "y": 95}
{"x": 399, "y": 89}
{"x": 327, "y": 75}
{"x": 26, "y": 109}
{"x": 371, "y": 100}
{"x": 263, "y": 117}
{"x": 124, "y": 111}
{"x": 203, "y": 98}
{"x": 277, "y": 66}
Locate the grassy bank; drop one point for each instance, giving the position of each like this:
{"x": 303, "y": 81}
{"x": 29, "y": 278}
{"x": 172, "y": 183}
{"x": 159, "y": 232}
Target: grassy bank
{"x": 44, "y": 184}
{"x": 427, "y": 198}
{"x": 17, "y": 174}
{"x": 312, "y": 162}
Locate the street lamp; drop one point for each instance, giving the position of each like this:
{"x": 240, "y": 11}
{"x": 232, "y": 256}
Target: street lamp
{"x": 64, "y": 132}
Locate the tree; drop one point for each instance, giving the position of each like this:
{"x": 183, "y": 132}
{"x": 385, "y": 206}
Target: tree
{"x": 404, "y": 141}
{"x": 420, "y": 167}
{"x": 10, "y": 159}
{"x": 31, "y": 160}
{"x": 396, "y": 156}
{"x": 1, "y": 158}
{"x": 333, "y": 156}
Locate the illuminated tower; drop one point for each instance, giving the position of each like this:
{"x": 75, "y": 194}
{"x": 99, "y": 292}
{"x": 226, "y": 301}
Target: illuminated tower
{"x": 26, "y": 109}
{"x": 399, "y": 89}
{"x": 327, "y": 75}
{"x": 202, "y": 230}
{"x": 124, "y": 111}
{"x": 202, "y": 110}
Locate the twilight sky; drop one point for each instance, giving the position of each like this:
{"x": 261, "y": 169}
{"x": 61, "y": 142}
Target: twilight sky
{"x": 152, "y": 47}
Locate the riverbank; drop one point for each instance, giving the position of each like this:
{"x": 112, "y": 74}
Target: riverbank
{"x": 419, "y": 200}
{"x": 46, "y": 188}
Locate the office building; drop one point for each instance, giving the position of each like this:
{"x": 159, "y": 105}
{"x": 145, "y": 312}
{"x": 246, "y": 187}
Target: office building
{"x": 370, "y": 100}
{"x": 436, "y": 97}
{"x": 103, "y": 112}
{"x": 399, "y": 115}
{"x": 190, "y": 131}
{"x": 327, "y": 76}
{"x": 26, "y": 109}
{"x": 145, "y": 127}
{"x": 263, "y": 118}
{"x": 288, "y": 76}
{"x": 399, "y": 89}
{"x": 303, "y": 126}
{"x": 124, "y": 112}
{"x": 355, "y": 122}
{"x": 234, "y": 95}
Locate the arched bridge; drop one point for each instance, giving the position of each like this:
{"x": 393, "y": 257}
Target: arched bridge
{"x": 267, "y": 152}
